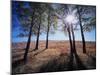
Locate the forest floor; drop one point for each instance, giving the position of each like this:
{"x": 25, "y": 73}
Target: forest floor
{"x": 56, "y": 58}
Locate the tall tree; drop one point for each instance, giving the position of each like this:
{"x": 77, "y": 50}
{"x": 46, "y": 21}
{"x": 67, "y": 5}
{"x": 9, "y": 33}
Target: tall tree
{"x": 49, "y": 22}
{"x": 26, "y": 12}
{"x": 82, "y": 34}
{"x": 41, "y": 10}
{"x": 21, "y": 13}
{"x": 61, "y": 14}
{"x": 50, "y": 19}
{"x": 85, "y": 13}
{"x": 38, "y": 34}
{"x": 29, "y": 40}
{"x": 48, "y": 27}
{"x": 68, "y": 27}
{"x": 35, "y": 7}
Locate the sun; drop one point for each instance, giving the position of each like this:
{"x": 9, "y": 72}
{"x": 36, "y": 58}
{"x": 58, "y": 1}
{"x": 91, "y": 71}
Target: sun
{"x": 70, "y": 18}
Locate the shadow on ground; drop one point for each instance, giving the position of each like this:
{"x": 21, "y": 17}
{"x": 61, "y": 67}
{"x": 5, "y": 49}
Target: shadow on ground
{"x": 61, "y": 63}
{"x": 74, "y": 63}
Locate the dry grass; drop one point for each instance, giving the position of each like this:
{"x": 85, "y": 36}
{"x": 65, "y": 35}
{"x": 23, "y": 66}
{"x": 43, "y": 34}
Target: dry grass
{"x": 55, "y": 58}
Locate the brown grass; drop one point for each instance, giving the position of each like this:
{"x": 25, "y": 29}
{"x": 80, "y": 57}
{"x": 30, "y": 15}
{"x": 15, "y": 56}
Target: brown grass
{"x": 55, "y": 58}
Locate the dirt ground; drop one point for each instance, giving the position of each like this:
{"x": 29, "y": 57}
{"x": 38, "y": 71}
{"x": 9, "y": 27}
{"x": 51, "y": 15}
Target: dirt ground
{"x": 56, "y": 58}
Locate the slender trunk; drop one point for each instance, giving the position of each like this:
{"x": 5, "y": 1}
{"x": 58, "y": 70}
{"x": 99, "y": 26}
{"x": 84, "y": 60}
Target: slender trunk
{"x": 82, "y": 34}
{"x": 74, "y": 47}
{"x": 29, "y": 40}
{"x": 48, "y": 30}
{"x": 70, "y": 40}
{"x": 47, "y": 37}
{"x": 38, "y": 34}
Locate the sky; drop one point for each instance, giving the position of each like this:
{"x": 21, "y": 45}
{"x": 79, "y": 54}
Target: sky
{"x": 89, "y": 36}
{"x": 59, "y": 35}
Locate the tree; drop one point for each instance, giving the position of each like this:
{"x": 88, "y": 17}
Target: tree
{"x": 29, "y": 40}
{"x": 41, "y": 10}
{"x": 82, "y": 34}
{"x": 83, "y": 15}
{"x": 67, "y": 27}
{"x": 22, "y": 17}
{"x": 38, "y": 34}
{"x": 26, "y": 13}
{"x": 36, "y": 7}
{"x": 48, "y": 27}
{"x": 52, "y": 21}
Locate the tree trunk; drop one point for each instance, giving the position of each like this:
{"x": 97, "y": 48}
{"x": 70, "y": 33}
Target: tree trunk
{"x": 38, "y": 34}
{"x": 74, "y": 47}
{"x": 82, "y": 34}
{"x": 48, "y": 29}
{"x": 47, "y": 37}
{"x": 71, "y": 46}
{"x": 29, "y": 40}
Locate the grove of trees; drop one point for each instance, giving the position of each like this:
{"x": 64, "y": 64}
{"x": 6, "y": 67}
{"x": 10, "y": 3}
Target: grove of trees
{"x": 36, "y": 18}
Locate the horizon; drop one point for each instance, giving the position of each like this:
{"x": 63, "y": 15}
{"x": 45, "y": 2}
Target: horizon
{"x": 52, "y": 40}
{"x": 89, "y": 36}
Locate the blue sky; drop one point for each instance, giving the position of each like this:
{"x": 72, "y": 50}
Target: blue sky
{"x": 89, "y": 36}
{"x": 59, "y": 35}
